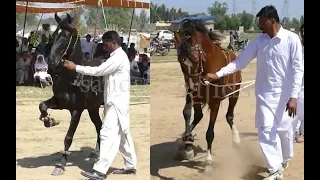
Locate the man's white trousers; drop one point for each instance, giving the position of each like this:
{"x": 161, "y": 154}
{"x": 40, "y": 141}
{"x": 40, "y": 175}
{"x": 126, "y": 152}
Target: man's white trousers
{"x": 112, "y": 141}
{"x": 276, "y": 143}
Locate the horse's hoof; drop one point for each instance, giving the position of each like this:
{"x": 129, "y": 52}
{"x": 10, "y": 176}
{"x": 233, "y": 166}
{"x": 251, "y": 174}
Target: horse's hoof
{"x": 207, "y": 170}
{"x": 235, "y": 145}
{"x": 50, "y": 122}
{"x": 185, "y": 155}
{"x": 236, "y": 139}
{"x": 57, "y": 171}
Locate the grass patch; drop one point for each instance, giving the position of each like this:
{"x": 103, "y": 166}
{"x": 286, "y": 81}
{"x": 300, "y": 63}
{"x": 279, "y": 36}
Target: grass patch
{"x": 26, "y": 95}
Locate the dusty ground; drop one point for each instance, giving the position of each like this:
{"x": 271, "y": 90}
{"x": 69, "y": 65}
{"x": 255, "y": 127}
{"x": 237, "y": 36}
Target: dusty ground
{"x": 38, "y": 147}
{"x": 167, "y": 125}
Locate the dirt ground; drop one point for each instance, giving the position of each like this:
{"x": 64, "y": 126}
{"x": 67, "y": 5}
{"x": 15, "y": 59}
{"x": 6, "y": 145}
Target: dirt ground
{"x": 38, "y": 147}
{"x": 167, "y": 125}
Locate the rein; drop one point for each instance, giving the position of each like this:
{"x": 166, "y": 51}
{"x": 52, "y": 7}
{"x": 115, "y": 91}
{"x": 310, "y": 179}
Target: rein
{"x": 202, "y": 58}
{"x": 68, "y": 47}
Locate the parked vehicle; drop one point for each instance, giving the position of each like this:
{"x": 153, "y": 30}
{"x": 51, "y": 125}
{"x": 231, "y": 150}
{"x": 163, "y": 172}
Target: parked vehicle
{"x": 163, "y": 34}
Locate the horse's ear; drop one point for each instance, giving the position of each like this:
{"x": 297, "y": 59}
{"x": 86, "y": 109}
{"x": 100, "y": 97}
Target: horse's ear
{"x": 69, "y": 18}
{"x": 57, "y": 18}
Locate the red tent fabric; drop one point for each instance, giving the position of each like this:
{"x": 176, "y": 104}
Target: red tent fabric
{"x": 106, "y": 3}
{"x": 34, "y": 9}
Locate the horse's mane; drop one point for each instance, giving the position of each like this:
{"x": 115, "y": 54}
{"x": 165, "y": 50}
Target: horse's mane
{"x": 190, "y": 26}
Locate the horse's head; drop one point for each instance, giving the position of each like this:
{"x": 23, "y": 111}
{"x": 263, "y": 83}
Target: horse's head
{"x": 190, "y": 53}
{"x": 65, "y": 39}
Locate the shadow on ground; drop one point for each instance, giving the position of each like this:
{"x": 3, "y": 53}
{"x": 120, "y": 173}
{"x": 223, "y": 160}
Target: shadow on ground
{"x": 76, "y": 158}
{"x": 163, "y": 156}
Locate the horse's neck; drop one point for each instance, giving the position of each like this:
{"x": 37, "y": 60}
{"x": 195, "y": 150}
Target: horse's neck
{"x": 215, "y": 57}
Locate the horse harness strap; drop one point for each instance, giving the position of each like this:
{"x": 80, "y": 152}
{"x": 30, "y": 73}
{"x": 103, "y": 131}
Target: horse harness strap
{"x": 69, "y": 45}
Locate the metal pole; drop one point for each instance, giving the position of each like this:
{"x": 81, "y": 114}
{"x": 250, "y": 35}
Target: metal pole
{"x": 95, "y": 31}
{"x": 24, "y": 24}
{"x": 131, "y": 25}
{"x": 40, "y": 21}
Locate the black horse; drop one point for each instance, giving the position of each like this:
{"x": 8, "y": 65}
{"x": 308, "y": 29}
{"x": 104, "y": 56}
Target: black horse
{"x": 71, "y": 91}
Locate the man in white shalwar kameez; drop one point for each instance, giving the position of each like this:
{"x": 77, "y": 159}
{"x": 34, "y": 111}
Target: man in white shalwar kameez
{"x": 114, "y": 134}
{"x": 278, "y": 80}
{"x": 298, "y": 125}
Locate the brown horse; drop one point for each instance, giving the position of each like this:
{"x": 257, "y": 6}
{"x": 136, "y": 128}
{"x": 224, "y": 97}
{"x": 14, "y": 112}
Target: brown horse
{"x": 198, "y": 54}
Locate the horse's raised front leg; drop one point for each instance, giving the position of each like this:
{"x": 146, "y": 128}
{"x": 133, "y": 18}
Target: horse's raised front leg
{"x": 188, "y": 138}
{"x": 210, "y": 134}
{"x": 75, "y": 118}
{"x": 96, "y": 120}
{"x": 230, "y": 116}
{"x": 43, "y": 107}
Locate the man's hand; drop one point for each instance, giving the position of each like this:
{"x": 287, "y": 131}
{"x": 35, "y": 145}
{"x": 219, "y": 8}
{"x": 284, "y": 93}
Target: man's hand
{"x": 211, "y": 77}
{"x": 292, "y": 107}
{"x": 69, "y": 65}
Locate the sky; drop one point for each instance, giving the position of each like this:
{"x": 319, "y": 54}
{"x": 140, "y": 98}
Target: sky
{"x": 296, "y": 7}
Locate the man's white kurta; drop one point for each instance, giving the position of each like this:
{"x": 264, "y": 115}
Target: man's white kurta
{"x": 116, "y": 72}
{"x": 279, "y": 74}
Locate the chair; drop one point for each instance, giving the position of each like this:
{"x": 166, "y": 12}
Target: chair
{"x": 41, "y": 84}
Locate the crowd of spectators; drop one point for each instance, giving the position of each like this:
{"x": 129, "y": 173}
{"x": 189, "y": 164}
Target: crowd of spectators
{"x": 31, "y": 54}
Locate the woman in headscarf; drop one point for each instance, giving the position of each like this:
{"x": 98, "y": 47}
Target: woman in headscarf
{"x": 41, "y": 68}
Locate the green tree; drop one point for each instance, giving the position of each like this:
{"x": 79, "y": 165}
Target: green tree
{"x": 302, "y": 19}
{"x": 117, "y": 16}
{"x": 233, "y": 22}
{"x": 294, "y": 23}
{"x": 219, "y": 10}
{"x": 142, "y": 20}
{"x": 246, "y": 20}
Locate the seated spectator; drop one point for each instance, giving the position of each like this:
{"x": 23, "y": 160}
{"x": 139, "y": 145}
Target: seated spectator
{"x": 17, "y": 43}
{"x": 134, "y": 70}
{"x": 17, "y": 57}
{"x": 132, "y": 50}
{"x": 23, "y": 45}
{"x": 144, "y": 66}
{"x": 22, "y": 68}
{"x": 41, "y": 70}
{"x": 86, "y": 56}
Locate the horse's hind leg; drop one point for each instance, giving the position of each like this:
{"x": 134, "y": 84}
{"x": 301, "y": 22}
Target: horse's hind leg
{"x": 43, "y": 107}
{"x": 95, "y": 118}
{"x": 230, "y": 116}
{"x": 210, "y": 134}
{"x": 75, "y": 118}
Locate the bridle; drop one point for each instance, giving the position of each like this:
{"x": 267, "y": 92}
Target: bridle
{"x": 202, "y": 59}
{"x": 64, "y": 55}
{"x": 70, "y": 45}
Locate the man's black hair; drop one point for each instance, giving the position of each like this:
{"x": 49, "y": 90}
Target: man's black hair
{"x": 110, "y": 36}
{"x": 302, "y": 26}
{"x": 269, "y": 12}
{"x": 88, "y": 35}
